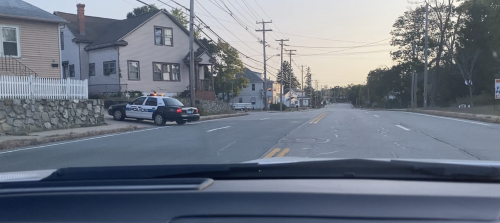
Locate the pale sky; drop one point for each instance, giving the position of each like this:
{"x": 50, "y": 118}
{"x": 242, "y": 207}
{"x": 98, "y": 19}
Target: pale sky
{"x": 330, "y": 23}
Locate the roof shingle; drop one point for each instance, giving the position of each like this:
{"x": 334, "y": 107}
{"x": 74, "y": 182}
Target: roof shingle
{"x": 21, "y": 9}
{"x": 94, "y": 26}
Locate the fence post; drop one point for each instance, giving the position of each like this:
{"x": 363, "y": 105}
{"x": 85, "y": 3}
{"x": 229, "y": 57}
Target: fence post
{"x": 31, "y": 88}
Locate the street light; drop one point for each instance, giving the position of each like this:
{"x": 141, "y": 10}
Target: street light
{"x": 277, "y": 55}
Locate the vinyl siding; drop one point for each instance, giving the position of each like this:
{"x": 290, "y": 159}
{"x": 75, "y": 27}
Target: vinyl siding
{"x": 141, "y": 48}
{"x": 101, "y": 83}
{"x": 39, "y": 46}
{"x": 71, "y": 52}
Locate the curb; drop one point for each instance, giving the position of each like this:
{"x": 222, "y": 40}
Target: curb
{"x": 469, "y": 116}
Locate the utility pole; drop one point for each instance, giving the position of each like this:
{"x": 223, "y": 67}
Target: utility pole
{"x": 290, "y": 52}
{"x": 302, "y": 84}
{"x": 264, "y": 30}
{"x": 191, "y": 53}
{"x": 414, "y": 82}
{"x": 282, "y": 74}
{"x": 426, "y": 72}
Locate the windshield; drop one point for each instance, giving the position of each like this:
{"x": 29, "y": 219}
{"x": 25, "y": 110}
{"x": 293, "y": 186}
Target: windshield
{"x": 116, "y": 83}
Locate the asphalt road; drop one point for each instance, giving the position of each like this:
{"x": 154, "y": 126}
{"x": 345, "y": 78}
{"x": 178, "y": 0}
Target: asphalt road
{"x": 336, "y": 131}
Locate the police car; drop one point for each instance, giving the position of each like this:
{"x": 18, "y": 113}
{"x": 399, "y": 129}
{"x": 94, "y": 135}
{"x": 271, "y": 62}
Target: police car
{"x": 160, "y": 109}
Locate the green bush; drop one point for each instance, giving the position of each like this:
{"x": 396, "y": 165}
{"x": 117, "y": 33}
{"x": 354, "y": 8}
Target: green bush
{"x": 276, "y": 107}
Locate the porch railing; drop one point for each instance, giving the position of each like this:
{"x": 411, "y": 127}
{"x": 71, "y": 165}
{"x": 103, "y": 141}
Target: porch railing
{"x": 8, "y": 63}
{"x": 204, "y": 85}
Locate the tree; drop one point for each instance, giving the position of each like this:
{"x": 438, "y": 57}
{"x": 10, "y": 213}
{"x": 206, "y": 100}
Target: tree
{"x": 443, "y": 11}
{"x": 286, "y": 73}
{"x": 142, "y": 10}
{"x": 226, "y": 69}
{"x": 181, "y": 18}
{"x": 465, "y": 61}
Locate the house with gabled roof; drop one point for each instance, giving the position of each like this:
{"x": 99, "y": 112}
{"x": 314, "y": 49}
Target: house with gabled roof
{"x": 146, "y": 53}
{"x": 29, "y": 41}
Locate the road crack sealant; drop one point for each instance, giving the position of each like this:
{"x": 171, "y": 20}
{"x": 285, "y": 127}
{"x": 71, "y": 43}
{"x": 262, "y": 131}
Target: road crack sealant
{"x": 447, "y": 143}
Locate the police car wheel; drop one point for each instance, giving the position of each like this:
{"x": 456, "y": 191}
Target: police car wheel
{"x": 118, "y": 115}
{"x": 182, "y": 122}
{"x": 159, "y": 120}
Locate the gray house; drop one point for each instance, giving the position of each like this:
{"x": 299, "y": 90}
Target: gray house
{"x": 253, "y": 93}
{"x": 146, "y": 53}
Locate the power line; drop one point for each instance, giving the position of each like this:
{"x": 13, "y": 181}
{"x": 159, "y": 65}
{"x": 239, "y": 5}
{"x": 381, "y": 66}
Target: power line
{"x": 334, "y": 40}
{"x": 224, "y": 26}
{"x": 201, "y": 21}
{"x": 337, "y": 47}
{"x": 346, "y": 49}
{"x": 251, "y": 11}
{"x": 346, "y": 54}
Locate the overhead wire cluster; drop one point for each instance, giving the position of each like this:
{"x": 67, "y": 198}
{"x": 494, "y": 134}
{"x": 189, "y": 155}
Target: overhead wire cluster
{"x": 242, "y": 14}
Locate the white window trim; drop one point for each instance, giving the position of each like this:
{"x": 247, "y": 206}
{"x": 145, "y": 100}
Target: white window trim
{"x": 18, "y": 36}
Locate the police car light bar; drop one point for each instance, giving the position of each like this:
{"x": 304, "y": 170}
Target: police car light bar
{"x": 156, "y": 94}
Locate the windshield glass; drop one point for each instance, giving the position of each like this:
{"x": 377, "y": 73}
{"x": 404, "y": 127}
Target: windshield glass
{"x": 117, "y": 83}
{"x": 172, "y": 102}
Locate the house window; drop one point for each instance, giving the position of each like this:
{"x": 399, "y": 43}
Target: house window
{"x": 61, "y": 37}
{"x": 109, "y": 67}
{"x": 133, "y": 70}
{"x": 253, "y": 100}
{"x": 72, "y": 70}
{"x": 241, "y": 100}
{"x": 166, "y": 72}
{"x": 253, "y": 87}
{"x": 92, "y": 69}
{"x": 164, "y": 36}
{"x": 10, "y": 41}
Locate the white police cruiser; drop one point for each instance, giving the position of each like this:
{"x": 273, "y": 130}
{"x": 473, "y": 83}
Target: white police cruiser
{"x": 160, "y": 109}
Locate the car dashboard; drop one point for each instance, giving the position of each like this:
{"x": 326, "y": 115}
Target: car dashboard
{"x": 278, "y": 200}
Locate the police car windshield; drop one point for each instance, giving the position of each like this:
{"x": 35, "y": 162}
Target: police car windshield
{"x": 172, "y": 102}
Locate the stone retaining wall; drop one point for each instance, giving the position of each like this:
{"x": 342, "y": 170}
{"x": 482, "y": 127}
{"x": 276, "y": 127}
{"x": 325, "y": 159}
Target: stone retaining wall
{"x": 210, "y": 107}
{"x": 30, "y": 115}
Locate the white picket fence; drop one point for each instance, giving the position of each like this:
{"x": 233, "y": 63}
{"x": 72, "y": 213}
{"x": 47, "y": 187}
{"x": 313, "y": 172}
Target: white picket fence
{"x": 31, "y": 87}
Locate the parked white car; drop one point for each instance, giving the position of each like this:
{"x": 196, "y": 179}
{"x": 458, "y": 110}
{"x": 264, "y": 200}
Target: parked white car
{"x": 242, "y": 106}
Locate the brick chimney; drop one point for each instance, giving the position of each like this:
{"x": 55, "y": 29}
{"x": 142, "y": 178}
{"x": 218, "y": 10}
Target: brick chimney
{"x": 81, "y": 18}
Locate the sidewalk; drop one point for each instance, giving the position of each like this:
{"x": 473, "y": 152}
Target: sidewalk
{"x": 112, "y": 126}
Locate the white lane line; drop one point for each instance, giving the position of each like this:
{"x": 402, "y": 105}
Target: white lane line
{"x": 454, "y": 119}
{"x": 81, "y": 140}
{"x": 264, "y": 119}
{"x": 211, "y": 130}
{"x": 376, "y": 116}
{"x": 403, "y": 128}
{"x": 336, "y": 136}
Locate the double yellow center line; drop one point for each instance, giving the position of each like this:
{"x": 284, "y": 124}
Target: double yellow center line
{"x": 276, "y": 150}
{"x": 316, "y": 120}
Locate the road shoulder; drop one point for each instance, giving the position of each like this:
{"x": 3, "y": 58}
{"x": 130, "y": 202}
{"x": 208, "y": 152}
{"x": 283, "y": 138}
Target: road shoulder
{"x": 469, "y": 116}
